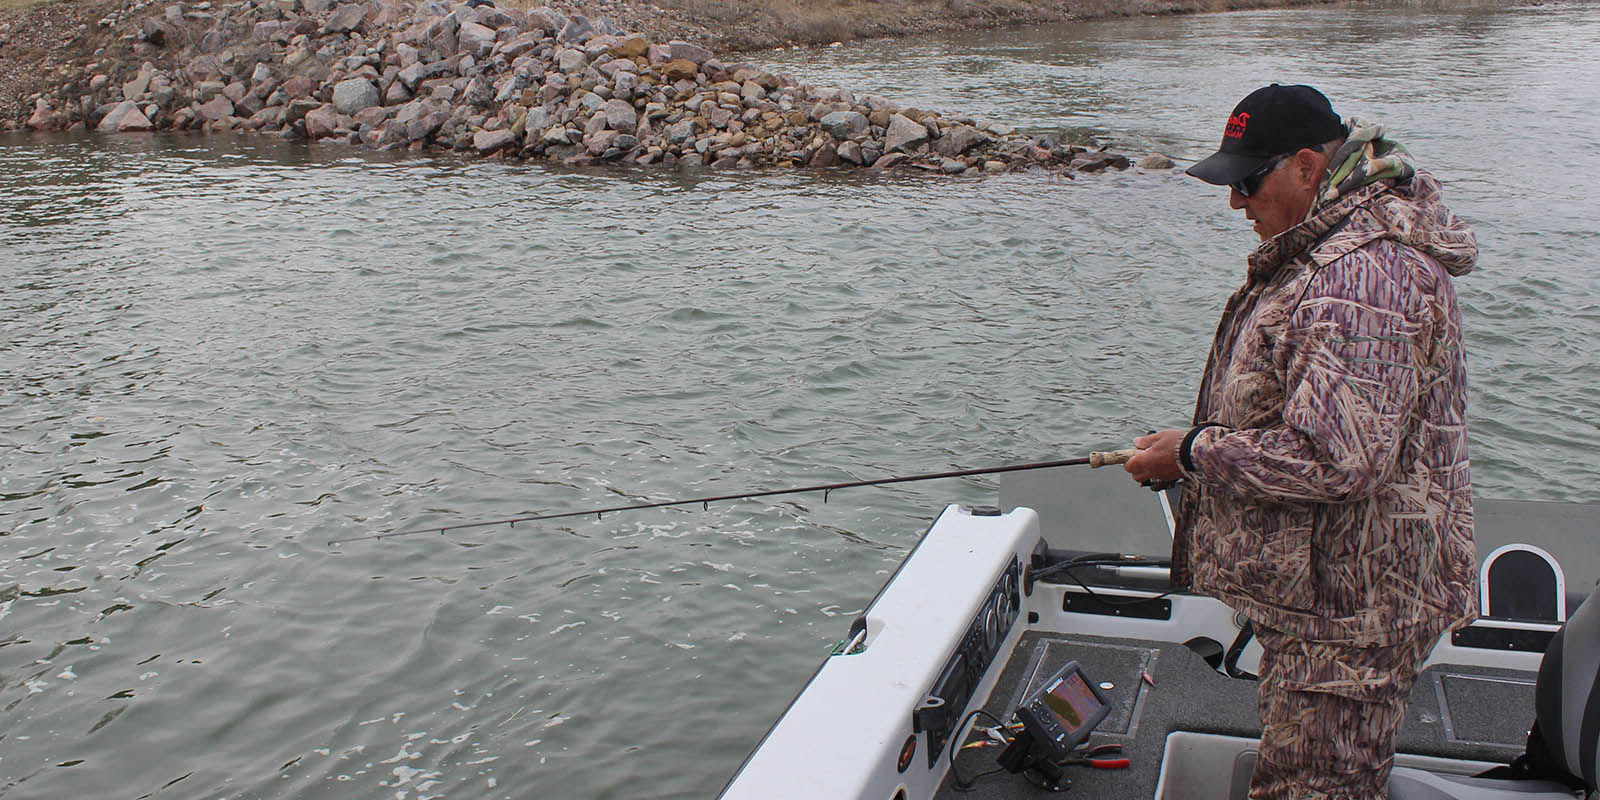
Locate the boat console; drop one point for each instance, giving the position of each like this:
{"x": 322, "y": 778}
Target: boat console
{"x": 995, "y": 608}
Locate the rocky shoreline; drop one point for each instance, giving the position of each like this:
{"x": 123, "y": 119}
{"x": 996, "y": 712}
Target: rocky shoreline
{"x": 503, "y": 82}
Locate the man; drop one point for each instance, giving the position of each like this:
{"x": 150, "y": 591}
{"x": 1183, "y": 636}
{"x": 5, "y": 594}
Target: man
{"x": 1325, "y": 491}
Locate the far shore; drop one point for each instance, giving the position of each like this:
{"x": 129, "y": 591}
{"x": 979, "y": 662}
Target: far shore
{"x": 743, "y": 25}
{"x": 46, "y": 44}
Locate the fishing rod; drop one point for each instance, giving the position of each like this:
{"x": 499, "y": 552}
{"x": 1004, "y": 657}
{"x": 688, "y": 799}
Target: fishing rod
{"x": 1094, "y": 460}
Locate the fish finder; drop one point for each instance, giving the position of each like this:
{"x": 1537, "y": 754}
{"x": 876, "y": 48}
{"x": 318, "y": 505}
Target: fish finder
{"x": 1055, "y": 719}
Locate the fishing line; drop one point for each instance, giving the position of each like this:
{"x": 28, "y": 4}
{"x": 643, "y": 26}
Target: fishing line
{"x": 1095, "y": 459}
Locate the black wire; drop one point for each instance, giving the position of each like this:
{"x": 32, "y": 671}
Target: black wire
{"x": 1101, "y": 560}
{"x": 964, "y": 785}
{"x": 973, "y": 784}
{"x": 1128, "y": 601}
{"x": 956, "y": 781}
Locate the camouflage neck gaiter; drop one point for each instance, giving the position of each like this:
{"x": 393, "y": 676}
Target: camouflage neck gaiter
{"x": 1365, "y": 157}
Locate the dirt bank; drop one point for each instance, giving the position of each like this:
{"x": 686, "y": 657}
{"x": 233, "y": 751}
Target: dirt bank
{"x": 759, "y": 24}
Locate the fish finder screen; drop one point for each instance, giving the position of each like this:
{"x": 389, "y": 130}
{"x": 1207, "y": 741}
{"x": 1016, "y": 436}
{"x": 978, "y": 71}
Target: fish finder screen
{"x": 1072, "y": 700}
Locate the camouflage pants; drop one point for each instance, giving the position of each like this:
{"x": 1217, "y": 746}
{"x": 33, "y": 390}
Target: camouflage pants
{"x": 1329, "y": 715}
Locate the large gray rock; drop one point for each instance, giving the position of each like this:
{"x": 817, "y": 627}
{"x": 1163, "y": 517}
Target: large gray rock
{"x": 959, "y": 139}
{"x": 844, "y": 124}
{"x": 125, "y": 117}
{"x": 423, "y": 122}
{"x": 465, "y": 13}
{"x": 903, "y": 134}
{"x": 680, "y": 131}
{"x": 509, "y": 88}
{"x": 537, "y": 120}
{"x": 216, "y": 108}
{"x": 396, "y": 94}
{"x": 266, "y": 118}
{"x": 346, "y": 18}
{"x": 600, "y": 141}
{"x": 371, "y": 117}
{"x": 518, "y": 45}
{"x": 571, "y": 60}
{"x": 556, "y": 136}
{"x": 617, "y": 65}
{"x": 826, "y": 156}
{"x": 486, "y": 142}
{"x": 692, "y": 52}
{"x": 45, "y": 118}
{"x": 413, "y": 110}
{"x": 495, "y": 18}
{"x": 479, "y": 92}
{"x": 298, "y": 108}
{"x": 321, "y": 121}
{"x": 438, "y": 26}
{"x": 443, "y": 38}
{"x": 546, "y": 18}
{"x": 620, "y": 116}
{"x": 888, "y": 160}
{"x": 267, "y": 29}
{"x": 475, "y": 39}
{"x": 1095, "y": 162}
{"x": 419, "y": 72}
{"x": 355, "y": 94}
{"x": 205, "y": 90}
{"x": 134, "y": 89}
{"x": 577, "y": 30}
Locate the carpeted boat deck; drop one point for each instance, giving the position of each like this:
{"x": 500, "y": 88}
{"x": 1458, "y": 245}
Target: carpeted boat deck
{"x": 1456, "y": 712}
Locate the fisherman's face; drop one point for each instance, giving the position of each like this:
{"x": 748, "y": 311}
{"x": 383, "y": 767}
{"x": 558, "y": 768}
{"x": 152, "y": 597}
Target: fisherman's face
{"x": 1281, "y": 200}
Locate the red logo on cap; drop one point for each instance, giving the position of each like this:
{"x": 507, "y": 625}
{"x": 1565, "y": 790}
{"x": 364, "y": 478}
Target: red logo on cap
{"x": 1236, "y": 125}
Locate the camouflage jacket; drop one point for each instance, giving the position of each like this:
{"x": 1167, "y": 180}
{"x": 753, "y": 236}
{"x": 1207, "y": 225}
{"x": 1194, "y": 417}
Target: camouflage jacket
{"x": 1326, "y": 489}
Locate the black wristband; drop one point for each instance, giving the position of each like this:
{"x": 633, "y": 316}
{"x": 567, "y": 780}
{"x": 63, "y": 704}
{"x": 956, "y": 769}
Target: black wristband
{"x": 1184, "y": 455}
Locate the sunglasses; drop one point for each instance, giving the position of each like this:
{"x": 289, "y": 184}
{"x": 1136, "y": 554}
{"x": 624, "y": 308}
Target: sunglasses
{"x": 1250, "y": 184}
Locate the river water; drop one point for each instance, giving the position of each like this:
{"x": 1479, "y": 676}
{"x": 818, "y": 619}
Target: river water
{"x": 217, "y": 355}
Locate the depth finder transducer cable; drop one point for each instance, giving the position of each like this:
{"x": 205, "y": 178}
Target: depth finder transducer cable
{"x": 1095, "y": 459}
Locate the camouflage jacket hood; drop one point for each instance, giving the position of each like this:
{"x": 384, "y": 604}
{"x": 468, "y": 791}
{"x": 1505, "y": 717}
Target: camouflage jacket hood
{"x": 1326, "y": 490}
{"x": 1376, "y": 173}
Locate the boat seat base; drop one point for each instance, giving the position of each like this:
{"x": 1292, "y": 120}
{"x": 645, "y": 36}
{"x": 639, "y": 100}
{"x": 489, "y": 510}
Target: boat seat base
{"x": 1414, "y": 783}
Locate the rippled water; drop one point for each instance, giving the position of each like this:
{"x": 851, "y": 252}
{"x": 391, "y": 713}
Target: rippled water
{"x": 217, "y": 355}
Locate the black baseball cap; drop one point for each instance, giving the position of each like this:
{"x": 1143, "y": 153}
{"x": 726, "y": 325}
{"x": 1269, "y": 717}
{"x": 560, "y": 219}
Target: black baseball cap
{"x": 1272, "y": 121}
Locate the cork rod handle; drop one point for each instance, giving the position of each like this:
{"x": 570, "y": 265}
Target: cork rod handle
{"x": 1100, "y": 458}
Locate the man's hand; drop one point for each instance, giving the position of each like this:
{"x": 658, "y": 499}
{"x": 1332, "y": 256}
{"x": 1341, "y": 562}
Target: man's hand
{"x": 1158, "y": 456}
